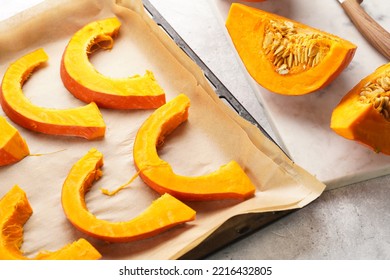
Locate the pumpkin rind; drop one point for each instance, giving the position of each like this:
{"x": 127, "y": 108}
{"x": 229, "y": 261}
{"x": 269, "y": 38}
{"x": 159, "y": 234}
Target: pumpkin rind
{"x": 84, "y": 82}
{"x": 13, "y": 146}
{"x": 246, "y": 27}
{"x": 361, "y": 121}
{"x": 15, "y": 211}
{"x": 228, "y": 182}
{"x": 163, "y": 214}
{"x": 86, "y": 121}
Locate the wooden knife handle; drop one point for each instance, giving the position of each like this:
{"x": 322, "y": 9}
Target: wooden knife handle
{"x": 371, "y": 30}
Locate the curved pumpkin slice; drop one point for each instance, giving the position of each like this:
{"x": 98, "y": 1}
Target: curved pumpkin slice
{"x": 84, "y": 82}
{"x": 13, "y": 147}
{"x": 229, "y": 181}
{"x": 86, "y": 121}
{"x": 363, "y": 114}
{"x": 162, "y": 214}
{"x": 15, "y": 211}
{"x": 285, "y": 56}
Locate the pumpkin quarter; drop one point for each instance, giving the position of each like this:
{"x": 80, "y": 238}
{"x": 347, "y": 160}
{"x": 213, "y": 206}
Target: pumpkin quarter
{"x": 285, "y": 56}
{"x": 363, "y": 113}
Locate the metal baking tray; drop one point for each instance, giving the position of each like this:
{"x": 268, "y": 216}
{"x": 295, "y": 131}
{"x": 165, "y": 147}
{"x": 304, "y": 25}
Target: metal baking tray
{"x": 219, "y": 87}
{"x": 238, "y": 226}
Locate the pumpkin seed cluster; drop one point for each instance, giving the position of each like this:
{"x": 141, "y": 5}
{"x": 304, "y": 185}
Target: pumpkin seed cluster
{"x": 291, "y": 50}
{"x": 377, "y": 93}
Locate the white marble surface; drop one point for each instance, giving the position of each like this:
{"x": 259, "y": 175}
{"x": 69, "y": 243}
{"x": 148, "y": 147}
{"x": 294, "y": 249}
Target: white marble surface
{"x": 301, "y": 123}
{"x": 344, "y": 223}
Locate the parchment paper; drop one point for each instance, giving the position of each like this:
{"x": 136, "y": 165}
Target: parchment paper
{"x": 213, "y": 135}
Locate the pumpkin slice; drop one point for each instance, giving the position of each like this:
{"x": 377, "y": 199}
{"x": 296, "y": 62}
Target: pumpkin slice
{"x": 13, "y": 147}
{"x": 363, "y": 114}
{"x": 162, "y": 214}
{"x": 15, "y": 210}
{"x": 285, "y": 56}
{"x": 84, "y": 82}
{"x": 229, "y": 181}
{"x": 86, "y": 121}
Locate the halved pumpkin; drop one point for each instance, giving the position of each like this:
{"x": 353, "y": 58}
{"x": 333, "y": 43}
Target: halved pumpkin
{"x": 164, "y": 213}
{"x": 86, "y": 83}
{"x": 228, "y": 182}
{"x": 363, "y": 114}
{"x": 86, "y": 121}
{"x": 15, "y": 210}
{"x": 285, "y": 56}
{"x": 13, "y": 146}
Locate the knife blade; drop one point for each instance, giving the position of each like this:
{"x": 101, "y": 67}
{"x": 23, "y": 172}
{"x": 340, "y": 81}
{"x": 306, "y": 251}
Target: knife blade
{"x": 375, "y": 34}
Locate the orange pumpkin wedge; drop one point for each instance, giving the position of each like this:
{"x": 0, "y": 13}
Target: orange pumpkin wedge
{"x": 13, "y": 147}
{"x": 164, "y": 213}
{"x": 285, "y": 56}
{"x": 228, "y": 182}
{"x": 15, "y": 210}
{"x": 363, "y": 114}
{"x": 86, "y": 83}
{"x": 86, "y": 121}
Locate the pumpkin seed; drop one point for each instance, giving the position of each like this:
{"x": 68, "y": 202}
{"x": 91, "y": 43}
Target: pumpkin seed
{"x": 386, "y": 114}
{"x": 377, "y": 93}
{"x": 299, "y": 51}
{"x": 267, "y": 40}
{"x": 279, "y": 49}
{"x": 290, "y": 60}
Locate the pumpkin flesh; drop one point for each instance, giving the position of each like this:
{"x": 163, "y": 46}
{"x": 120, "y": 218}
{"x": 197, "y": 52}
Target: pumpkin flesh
{"x": 163, "y": 214}
{"x": 363, "y": 113}
{"x": 86, "y": 121}
{"x": 15, "y": 211}
{"x": 228, "y": 182}
{"x": 84, "y": 82}
{"x": 285, "y": 56}
{"x": 13, "y": 147}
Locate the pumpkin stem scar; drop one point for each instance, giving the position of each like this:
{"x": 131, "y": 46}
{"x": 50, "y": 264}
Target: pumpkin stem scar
{"x": 45, "y": 154}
